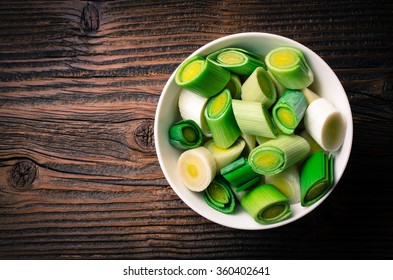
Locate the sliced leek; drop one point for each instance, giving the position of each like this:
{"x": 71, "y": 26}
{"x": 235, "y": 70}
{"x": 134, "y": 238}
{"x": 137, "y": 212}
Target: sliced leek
{"x": 219, "y": 196}
{"x": 237, "y": 60}
{"x": 290, "y": 68}
{"x": 259, "y": 87}
{"x": 289, "y": 110}
{"x": 276, "y": 155}
{"x": 202, "y": 76}
{"x": 287, "y": 182}
{"x": 324, "y": 122}
{"x": 192, "y": 107}
{"x": 185, "y": 134}
{"x": 196, "y": 168}
{"x": 240, "y": 174}
{"x": 253, "y": 118}
{"x": 266, "y": 204}
{"x": 223, "y": 157}
{"x": 235, "y": 86}
{"x": 221, "y": 121}
{"x": 316, "y": 177}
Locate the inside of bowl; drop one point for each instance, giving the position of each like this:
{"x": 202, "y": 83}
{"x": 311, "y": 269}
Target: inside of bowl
{"x": 326, "y": 84}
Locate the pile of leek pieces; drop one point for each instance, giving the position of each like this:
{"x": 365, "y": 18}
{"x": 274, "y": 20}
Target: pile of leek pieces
{"x": 253, "y": 131}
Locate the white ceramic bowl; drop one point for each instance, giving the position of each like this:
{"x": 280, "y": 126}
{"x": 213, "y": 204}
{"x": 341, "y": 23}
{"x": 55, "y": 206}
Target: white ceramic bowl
{"x": 325, "y": 84}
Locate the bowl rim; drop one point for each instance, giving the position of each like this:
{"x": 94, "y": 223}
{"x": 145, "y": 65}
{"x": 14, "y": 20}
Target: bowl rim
{"x": 348, "y": 140}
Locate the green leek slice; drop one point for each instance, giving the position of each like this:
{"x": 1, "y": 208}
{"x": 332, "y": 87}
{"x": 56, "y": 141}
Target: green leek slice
{"x": 289, "y": 110}
{"x": 316, "y": 177}
{"x": 259, "y": 87}
{"x": 201, "y": 76}
{"x": 221, "y": 121}
{"x": 196, "y": 168}
{"x": 278, "y": 154}
{"x": 185, "y": 134}
{"x": 240, "y": 174}
{"x": 290, "y": 68}
{"x": 253, "y": 118}
{"x": 219, "y": 196}
{"x": 237, "y": 60}
{"x": 266, "y": 204}
{"x": 223, "y": 157}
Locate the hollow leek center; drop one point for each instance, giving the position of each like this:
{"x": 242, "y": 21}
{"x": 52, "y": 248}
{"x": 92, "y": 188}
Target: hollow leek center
{"x": 218, "y": 105}
{"x": 230, "y": 58}
{"x": 219, "y": 194}
{"x": 192, "y": 70}
{"x": 333, "y": 131}
{"x": 316, "y": 191}
{"x": 284, "y": 59}
{"x": 286, "y": 117}
{"x": 273, "y": 211}
{"x": 189, "y": 134}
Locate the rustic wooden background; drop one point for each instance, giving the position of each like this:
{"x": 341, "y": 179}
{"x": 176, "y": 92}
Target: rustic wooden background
{"x": 79, "y": 85}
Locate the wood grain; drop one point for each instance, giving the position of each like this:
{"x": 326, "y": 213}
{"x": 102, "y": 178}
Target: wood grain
{"x": 79, "y": 85}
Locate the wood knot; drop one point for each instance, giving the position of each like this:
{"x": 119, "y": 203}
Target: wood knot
{"x": 144, "y": 136}
{"x": 90, "y": 19}
{"x": 23, "y": 174}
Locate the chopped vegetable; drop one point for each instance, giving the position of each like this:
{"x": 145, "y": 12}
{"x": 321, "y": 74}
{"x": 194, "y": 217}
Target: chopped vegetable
{"x": 240, "y": 174}
{"x": 324, "y": 122}
{"x": 237, "y": 60}
{"x": 278, "y": 154}
{"x": 192, "y": 107}
{"x": 289, "y": 66}
{"x": 259, "y": 87}
{"x": 289, "y": 110}
{"x": 202, "y": 76}
{"x": 266, "y": 204}
{"x": 221, "y": 121}
{"x": 219, "y": 196}
{"x": 253, "y": 118}
{"x": 196, "y": 168}
{"x": 316, "y": 177}
{"x": 185, "y": 134}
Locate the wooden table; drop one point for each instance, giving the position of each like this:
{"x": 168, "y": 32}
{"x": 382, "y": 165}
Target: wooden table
{"x": 79, "y": 85}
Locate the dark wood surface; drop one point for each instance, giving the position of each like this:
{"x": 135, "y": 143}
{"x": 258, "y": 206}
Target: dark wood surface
{"x": 79, "y": 85}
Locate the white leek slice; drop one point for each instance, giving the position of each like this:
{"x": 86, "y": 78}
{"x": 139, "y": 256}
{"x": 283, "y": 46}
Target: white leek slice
{"x": 287, "y": 182}
{"x": 223, "y": 157}
{"x": 196, "y": 168}
{"x": 324, "y": 122}
{"x": 192, "y": 107}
